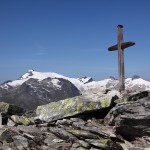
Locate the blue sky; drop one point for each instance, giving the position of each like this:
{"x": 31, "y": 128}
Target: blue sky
{"x": 71, "y": 37}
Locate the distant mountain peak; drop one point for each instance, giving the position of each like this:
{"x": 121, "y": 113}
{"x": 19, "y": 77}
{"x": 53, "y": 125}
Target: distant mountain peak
{"x": 85, "y": 79}
{"x": 26, "y": 75}
{"x": 31, "y": 74}
{"x": 135, "y": 77}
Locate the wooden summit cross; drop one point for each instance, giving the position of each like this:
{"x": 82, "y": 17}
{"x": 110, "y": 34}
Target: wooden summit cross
{"x": 120, "y": 47}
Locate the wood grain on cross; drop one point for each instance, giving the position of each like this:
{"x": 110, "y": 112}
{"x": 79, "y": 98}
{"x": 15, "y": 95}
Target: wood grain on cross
{"x": 120, "y": 46}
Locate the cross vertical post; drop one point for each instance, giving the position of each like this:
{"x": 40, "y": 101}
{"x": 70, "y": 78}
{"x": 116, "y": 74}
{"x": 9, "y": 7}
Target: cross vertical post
{"x": 120, "y": 59}
{"x": 120, "y": 47}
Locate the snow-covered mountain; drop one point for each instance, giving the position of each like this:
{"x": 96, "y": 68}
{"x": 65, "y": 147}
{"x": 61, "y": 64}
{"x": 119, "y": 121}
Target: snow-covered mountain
{"x": 131, "y": 85}
{"x": 83, "y": 84}
{"x": 78, "y": 82}
{"x": 137, "y": 84}
{"x": 37, "y": 88}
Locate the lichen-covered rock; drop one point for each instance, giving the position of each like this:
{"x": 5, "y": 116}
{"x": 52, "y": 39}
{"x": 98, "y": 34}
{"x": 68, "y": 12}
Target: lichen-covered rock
{"x": 21, "y": 120}
{"x": 10, "y": 109}
{"x": 73, "y": 106}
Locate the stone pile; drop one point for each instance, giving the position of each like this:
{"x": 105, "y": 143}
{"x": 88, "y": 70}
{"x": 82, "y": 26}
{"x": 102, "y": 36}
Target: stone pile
{"x": 81, "y": 123}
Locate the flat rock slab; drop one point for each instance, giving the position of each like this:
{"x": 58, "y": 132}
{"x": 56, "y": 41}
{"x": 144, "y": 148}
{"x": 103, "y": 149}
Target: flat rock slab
{"x": 73, "y": 106}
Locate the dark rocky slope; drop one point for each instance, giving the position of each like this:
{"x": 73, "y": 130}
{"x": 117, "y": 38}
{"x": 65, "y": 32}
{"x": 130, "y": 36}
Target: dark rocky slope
{"x": 33, "y": 92}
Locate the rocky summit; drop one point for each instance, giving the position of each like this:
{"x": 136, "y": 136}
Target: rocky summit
{"x": 106, "y": 121}
{"x": 90, "y": 115}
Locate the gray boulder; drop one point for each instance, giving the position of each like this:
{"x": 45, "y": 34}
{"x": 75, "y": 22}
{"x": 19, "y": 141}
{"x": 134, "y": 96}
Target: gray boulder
{"x": 6, "y": 110}
{"x": 10, "y": 109}
{"x": 132, "y": 118}
{"x": 74, "y": 106}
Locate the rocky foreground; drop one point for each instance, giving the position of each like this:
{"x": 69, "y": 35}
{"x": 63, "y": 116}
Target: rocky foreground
{"x": 106, "y": 121}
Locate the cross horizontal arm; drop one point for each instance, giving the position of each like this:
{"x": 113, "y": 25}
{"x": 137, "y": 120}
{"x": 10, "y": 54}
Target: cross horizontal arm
{"x": 123, "y": 46}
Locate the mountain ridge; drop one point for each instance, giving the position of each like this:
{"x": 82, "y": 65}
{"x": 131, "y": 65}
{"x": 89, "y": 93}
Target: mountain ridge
{"x": 78, "y": 82}
{"x": 37, "y": 88}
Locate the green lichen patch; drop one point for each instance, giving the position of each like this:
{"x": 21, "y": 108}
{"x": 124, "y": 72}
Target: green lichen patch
{"x": 4, "y": 107}
{"x": 67, "y": 100}
{"x": 25, "y": 121}
{"x": 79, "y": 106}
{"x": 20, "y": 120}
{"x": 104, "y": 141}
{"x": 110, "y": 144}
{"x": 105, "y": 103}
{"x": 5, "y": 143}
